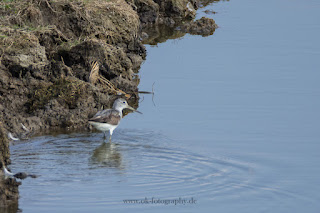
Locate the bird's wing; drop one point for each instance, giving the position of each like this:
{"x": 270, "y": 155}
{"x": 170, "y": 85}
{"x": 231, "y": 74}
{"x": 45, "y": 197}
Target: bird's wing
{"x": 109, "y": 116}
{"x": 101, "y": 112}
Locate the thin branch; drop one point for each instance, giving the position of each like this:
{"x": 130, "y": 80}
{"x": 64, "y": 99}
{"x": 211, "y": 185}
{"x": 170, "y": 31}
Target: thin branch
{"x": 95, "y": 77}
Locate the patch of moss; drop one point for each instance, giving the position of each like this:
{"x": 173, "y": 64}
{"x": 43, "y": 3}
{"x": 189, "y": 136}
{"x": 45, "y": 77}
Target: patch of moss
{"x": 66, "y": 90}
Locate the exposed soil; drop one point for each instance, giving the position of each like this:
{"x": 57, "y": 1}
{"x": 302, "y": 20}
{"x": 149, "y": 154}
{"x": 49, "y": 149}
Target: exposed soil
{"x": 47, "y": 50}
{"x": 9, "y": 192}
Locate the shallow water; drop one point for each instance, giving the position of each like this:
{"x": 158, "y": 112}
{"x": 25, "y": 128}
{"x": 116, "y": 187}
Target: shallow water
{"x": 234, "y": 125}
{"x": 81, "y": 172}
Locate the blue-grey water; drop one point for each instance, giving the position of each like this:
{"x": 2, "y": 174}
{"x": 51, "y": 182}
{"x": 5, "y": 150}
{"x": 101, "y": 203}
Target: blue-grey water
{"x": 233, "y": 125}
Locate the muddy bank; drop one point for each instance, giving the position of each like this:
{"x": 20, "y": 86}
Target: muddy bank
{"x": 9, "y": 192}
{"x": 48, "y": 49}
{"x": 47, "y": 53}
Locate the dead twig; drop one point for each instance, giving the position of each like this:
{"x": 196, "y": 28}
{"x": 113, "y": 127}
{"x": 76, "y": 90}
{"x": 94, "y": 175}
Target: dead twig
{"x": 146, "y": 92}
{"x": 153, "y": 93}
{"x": 48, "y": 4}
{"x": 95, "y": 77}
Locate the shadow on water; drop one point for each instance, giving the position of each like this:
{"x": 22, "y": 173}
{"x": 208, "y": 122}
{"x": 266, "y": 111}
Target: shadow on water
{"x": 107, "y": 155}
{"x": 204, "y": 3}
{"x": 160, "y": 33}
{"x": 12, "y": 208}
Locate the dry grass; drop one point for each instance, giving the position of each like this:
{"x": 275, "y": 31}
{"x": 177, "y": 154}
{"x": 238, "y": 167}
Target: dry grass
{"x": 19, "y": 38}
{"x": 66, "y": 90}
{"x": 14, "y": 41}
{"x": 96, "y": 79}
{"x": 114, "y": 18}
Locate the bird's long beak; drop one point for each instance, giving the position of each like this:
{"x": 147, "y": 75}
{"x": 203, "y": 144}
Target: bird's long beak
{"x": 133, "y": 109}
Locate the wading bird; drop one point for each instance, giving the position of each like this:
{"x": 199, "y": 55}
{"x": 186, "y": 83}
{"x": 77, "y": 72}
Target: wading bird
{"x": 109, "y": 119}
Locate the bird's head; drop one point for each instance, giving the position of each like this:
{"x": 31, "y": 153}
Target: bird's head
{"x": 121, "y": 104}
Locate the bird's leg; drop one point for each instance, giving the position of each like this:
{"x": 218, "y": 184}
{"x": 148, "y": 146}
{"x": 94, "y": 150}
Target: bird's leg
{"x": 110, "y": 137}
{"x": 111, "y": 131}
{"x": 104, "y": 135}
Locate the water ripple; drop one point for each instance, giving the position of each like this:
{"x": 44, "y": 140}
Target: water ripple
{"x": 137, "y": 164}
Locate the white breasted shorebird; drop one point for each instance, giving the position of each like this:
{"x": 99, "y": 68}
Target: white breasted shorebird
{"x": 109, "y": 119}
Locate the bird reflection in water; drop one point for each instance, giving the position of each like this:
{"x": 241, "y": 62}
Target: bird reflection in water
{"x": 107, "y": 155}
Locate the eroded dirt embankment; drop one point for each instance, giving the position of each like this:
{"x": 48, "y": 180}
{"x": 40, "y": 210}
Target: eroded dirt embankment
{"x": 9, "y": 193}
{"x": 47, "y": 51}
{"x": 48, "y": 48}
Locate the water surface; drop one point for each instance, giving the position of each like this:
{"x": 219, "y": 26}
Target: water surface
{"x": 234, "y": 125}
